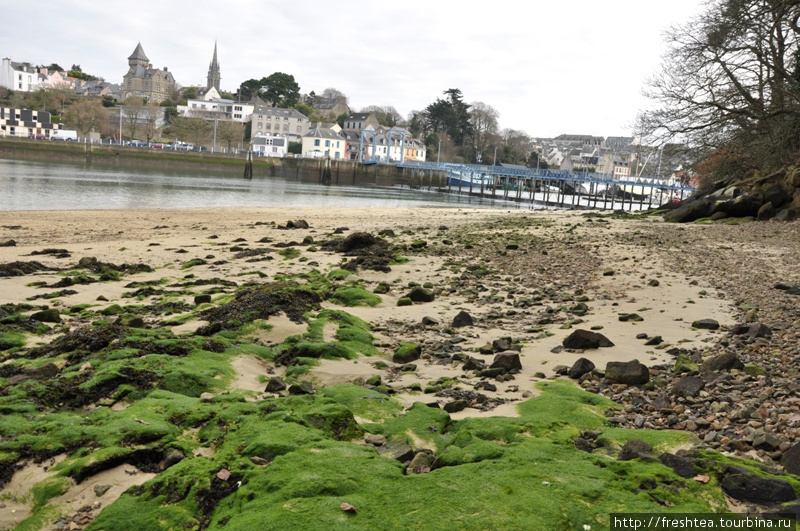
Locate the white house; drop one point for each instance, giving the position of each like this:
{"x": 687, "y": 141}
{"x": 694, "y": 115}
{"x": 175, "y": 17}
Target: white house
{"x": 322, "y": 142}
{"x": 21, "y": 77}
{"x": 222, "y": 108}
{"x": 270, "y": 146}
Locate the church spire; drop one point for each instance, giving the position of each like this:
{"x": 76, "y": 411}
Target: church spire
{"x": 213, "y": 71}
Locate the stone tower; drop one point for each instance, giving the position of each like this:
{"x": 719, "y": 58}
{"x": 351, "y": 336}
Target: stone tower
{"x": 213, "y": 71}
{"x": 139, "y": 58}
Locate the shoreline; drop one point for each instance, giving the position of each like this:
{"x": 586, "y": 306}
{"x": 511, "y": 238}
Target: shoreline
{"x": 522, "y": 275}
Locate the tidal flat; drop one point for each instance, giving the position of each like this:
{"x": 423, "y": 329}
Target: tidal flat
{"x": 268, "y": 368}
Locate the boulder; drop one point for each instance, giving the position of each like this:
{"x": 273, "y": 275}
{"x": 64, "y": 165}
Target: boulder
{"x": 473, "y": 364}
{"x": 766, "y": 212}
{"x": 461, "y": 319}
{"x": 706, "y": 324}
{"x": 407, "y": 352}
{"x": 509, "y": 360}
{"x": 689, "y": 211}
{"x": 275, "y": 385}
{"x": 634, "y": 449}
{"x": 173, "y": 457}
{"x": 724, "y": 362}
{"x": 759, "y": 330}
{"x": 202, "y": 299}
{"x": 399, "y": 450}
{"x": 420, "y": 294}
{"x": 47, "y": 371}
{"x": 583, "y": 339}
{"x": 456, "y": 405}
{"x": 47, "y": 316}
{"x": 791, "y": 460}
{"x": 301, "y": 388}
{"x": 429, "y": 321}
{"x": 683, "y": 466}
{"x": 687, "y": 386}
{"x": 501, "y": 345}
{"x": 422, "y": 463}
{"x": 629, "y": 373}
{"x": 579, "y": 368}
{"x": 748, "y": 486}
{"x": 297, "y": 224}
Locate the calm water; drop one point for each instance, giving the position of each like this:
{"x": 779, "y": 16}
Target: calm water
{"x": 43, "y": 186}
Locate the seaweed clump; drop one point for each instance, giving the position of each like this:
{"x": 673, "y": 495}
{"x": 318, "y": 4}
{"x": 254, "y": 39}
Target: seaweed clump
{"x": 260, "y": 303}
{"x": 368, "y": 251}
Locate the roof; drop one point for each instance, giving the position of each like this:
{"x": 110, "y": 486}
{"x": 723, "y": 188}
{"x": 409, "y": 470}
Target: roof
{"x": 278, "y": 111}
{"x": 138, "y": 54}
{"x": 321, "y": 132}
{"x": 262, "y": 140}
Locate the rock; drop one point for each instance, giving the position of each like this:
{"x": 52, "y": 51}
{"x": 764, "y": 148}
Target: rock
{"x": 99, "y": 490}
{"x": 583, "y": 339}
{"x": 173, "y": 457}
{"x": 429, "y": 321}
{"x": 301, "y": 388}
{"x": 579, "y": 309}
{"x": 629, "y": 373}
{"x": 706, "y": 324}
{"x": 579, "y": 368}
{"x": 767, "y": 441}
{"x": 500, "y": 345}
{"x": 275, "y": 385}
{"x": 561, "y": 370}
{"x": 382, "y": 288}
{"x": 791, "y": 460}
{"x": 405, "y": 301}
{"x": 473, "y": 364}
{"x": 724, "y": 362}
{"x": 422, "y": 463}
{"x": 634, "y": 449}
{"x": 456, "y": 405}
{"x": 297, "y": 224}
{"x": 766, "y": 212}
{"x": 759, "y": 330}
{"x": 689, "y": 211}
{"x": 420, "y": 294}
{"x": 398, "y": 450}
{"x": 258, "y": 461}
{"x": 375, "y": 439}
{"x": 462, "y": 319}
{"x": 508, "y": 360}
{"x": 653, "y": 341}
{"x": 8, "y": 243}
{"x": 224, "y": 474}
{"x": 485, "y": 386}
{"x": 653, "y": 283}
{"x": 346, "y": 507}
{"x": 47, "y": 371}
{"x": 202, "y": 299}
{"x": 407, "y": 352}
{"x": 748, "y": 486}
{"x": 630, "y": 317}
{"x": 687, "y": 386}
{"x": 50, "y": 315}
{"x": 683, "y": 466}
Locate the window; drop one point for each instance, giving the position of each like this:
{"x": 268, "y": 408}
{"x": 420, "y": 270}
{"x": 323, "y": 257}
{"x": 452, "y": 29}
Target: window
{"x": 286, "y": 128}
{"x": 269, "y": 126}
{"x": 237, "y": 116}
{"x": 327, "y": 143}
{"x": 337, "y": 154}
{"x": 316, "y": 141}
{"x": 299, "y": 129}
{"x": 237, "y": 108}
{"x": 337, "y": 143}
{"x": 259, "y": 125}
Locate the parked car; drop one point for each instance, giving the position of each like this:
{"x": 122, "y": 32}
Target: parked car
{"x": 139, "y": 143}
{"x": 157, "y": 146}
{"x": 37, "y": 136}
{"x": 200, "y": 148}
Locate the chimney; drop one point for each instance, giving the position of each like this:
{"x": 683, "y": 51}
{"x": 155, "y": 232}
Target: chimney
{"x": 165, "y": 69}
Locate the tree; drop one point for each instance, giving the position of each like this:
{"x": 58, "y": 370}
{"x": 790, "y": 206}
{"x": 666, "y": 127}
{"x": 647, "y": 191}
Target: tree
{"x": 230, "y": 133}
{"x": 387, "y": 115}
{"x": 516, "y": 146}
{"x": 281, "y": 90}
{"x": 190, "y": 93}
{"x": 483, "y": 119}
{"x": 193, "y": 130}
{"x": 334, "y": 94}
{"x": 249, "y": 89}
{"x": 133, "y": 111}
{"x": 416, "y": 123}
{"x": 730, "y": 86}
{"x": 450, "y": 116}
{"x": 149, "y": 120}
{"x": 85, "y": 116}
{"x": 54, "y": 67}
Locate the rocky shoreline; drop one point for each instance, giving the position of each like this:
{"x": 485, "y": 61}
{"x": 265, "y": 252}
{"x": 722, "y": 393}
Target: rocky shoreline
{"x": 687, "y": 328}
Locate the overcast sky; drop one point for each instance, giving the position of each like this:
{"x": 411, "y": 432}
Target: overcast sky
{"x": 568, "y": 66}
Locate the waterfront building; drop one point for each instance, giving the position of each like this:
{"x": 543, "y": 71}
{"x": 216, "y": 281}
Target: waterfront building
{"x": 21, "y": 77}
{"x": 277, "y": 121}
{"x": 144, "y": 81}
{"x": 26, "y": 122}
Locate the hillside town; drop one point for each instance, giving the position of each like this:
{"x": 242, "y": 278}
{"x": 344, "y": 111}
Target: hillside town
{"x": 150, "y": 108}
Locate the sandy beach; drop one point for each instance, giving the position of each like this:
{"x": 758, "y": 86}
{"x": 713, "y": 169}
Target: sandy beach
{"x": 520, "y": 275}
